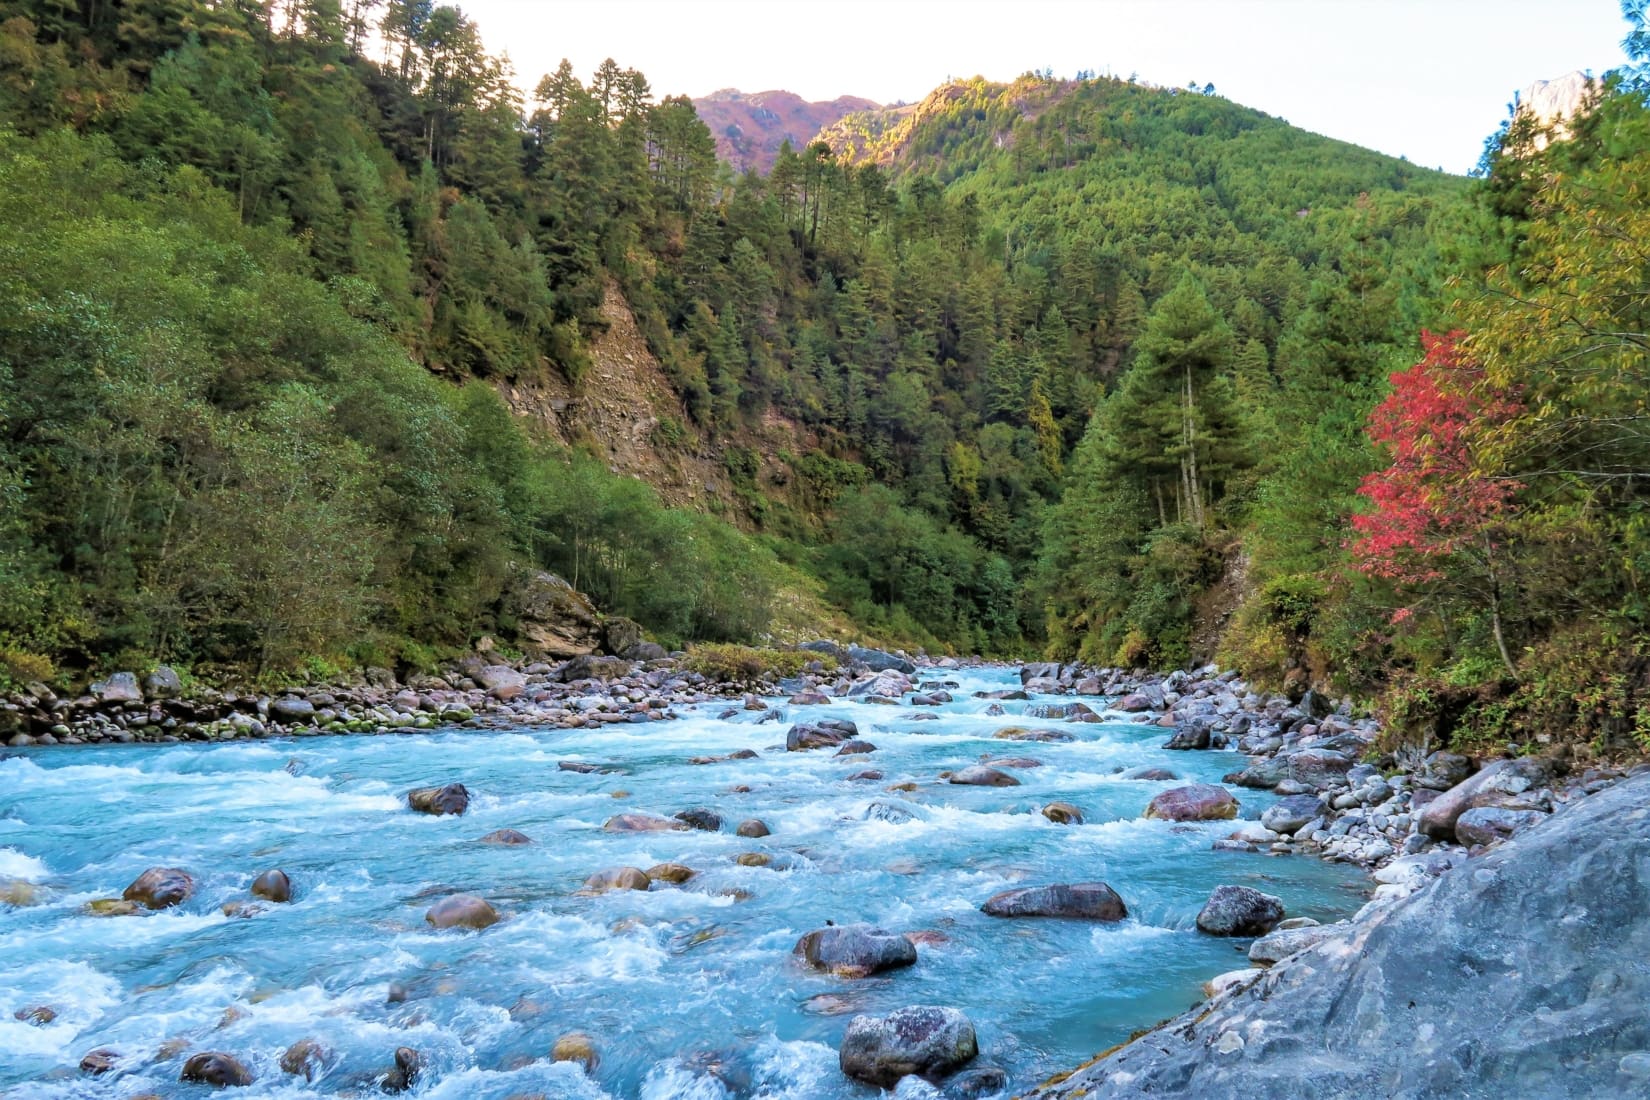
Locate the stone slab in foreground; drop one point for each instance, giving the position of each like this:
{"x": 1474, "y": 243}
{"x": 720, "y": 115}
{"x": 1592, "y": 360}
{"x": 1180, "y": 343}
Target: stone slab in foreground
{"x": 1519, "y": 973}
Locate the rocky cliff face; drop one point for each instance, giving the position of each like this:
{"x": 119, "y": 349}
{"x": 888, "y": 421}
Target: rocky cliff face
{"x": 1555, "y": 102}
{"x": 1519, "y": 973}
{"x": 750, "y": 128}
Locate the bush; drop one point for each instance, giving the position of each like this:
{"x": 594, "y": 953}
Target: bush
{"x": 726, "y": 663}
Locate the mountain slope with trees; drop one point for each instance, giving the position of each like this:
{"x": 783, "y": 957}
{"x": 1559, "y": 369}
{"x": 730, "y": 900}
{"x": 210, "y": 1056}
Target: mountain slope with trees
{"x": 1078, "y": 366}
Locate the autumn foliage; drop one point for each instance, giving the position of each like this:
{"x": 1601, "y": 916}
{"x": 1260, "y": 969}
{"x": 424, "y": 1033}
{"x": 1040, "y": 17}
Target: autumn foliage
{"x": 1433, "y": 500}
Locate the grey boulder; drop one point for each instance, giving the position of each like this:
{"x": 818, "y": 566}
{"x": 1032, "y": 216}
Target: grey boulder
{"x": 925, "y": 1040}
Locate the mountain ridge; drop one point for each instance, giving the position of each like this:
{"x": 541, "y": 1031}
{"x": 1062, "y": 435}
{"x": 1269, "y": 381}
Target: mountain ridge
{"x": 751, "y": 127}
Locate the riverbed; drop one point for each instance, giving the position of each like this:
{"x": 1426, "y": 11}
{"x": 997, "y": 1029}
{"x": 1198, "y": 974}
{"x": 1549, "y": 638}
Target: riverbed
{"x": 686, "y": 991}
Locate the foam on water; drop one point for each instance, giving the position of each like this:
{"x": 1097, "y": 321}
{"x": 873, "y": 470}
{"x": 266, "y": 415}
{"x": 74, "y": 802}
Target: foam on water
{"x": 689, "y": 992}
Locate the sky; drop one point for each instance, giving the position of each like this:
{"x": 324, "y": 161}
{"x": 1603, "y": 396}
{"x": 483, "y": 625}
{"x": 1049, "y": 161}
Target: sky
{"x": 1425, "y": 79}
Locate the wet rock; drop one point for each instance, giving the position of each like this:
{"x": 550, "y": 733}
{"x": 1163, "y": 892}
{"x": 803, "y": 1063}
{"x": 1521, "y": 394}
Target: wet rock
{"x": 1193, "y": 735}
{"x": 98, "y": 1062}
{"x": 855, "y": 950}
{"x": 578, "y": 767}
{"x": 1135, "y": 703}
{"x": 396, "y": 993}
{"x": 1239, "y": 911}
{"x": 1197, "y": 802}
{"x": 18, "y": 892}
{"x": 850, "y": 748}
{"x": 404, "y": 1073}
{"x": 975, "y": 1084}
{"x": 273, "y": 886}
{"x": 978, "y": 775}
{"x": 1063, "y": 813}
{"x": 1220, "y": 983}
{"x": 578, "y": 1047}
{"x": 870, "y": 774}
{"x": 454, "y": 798}
{"x": 160, "y": 888}
{"x": 307, "y": 1058}
{"x": 889, "y": 812}
{"x": 642, "y": 823}
{"x": 1151, "y": 775}
{"x": 673, "y": 873}
{"x": 36, "y": 1015}
{"x": 924, "y": 1040}
{"x": 1042, "y": 670}
{"x": 754, "y": 859}
{"x": 1071, "y": 712}
{"x": 1022, "y": 733}
{"x": 506, "y": 838}
{"x": 112, "y": 907}
{"x": 878, "y": 660}
{"x": 755, "y": 828}
{"x": 618, "y": 878}
{"x": 1491, "y": 824}
{"x": 809, "y": 699}
{"x": 1082, "y": 900}
{"x": 461, "y": 911}
{"x": 825, "y": 733}
{"x": 217, "y": 1069}
{"x": 706, "y": 821}
{"x": 1289, "y": 814}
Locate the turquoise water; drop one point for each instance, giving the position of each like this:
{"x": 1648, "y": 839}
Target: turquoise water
{"x": 655, "y": 978}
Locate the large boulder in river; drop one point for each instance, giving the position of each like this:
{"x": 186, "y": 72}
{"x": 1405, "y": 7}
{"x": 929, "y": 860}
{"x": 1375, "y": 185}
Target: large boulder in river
{"x": 618, "y": 878}
{"x": 553, "y": 618}
{"x": 216, "y": 1069}
{"x": 924, "y": 1040}
{"x": 461, "y": 911}
{"x": 454, "y": 798}
{"x": 1525, "y": 967}
{"x": 878, "y": 660}
{"x": 1239, "y": 911}
{"x": 825, "y": 733}
{"x": 1289, "y": 814}
{"x": 642, "y": 823}
{"x": 160, "y": 888}
{"x": 1193, "y": 735}
{"x": 979, "y": 775}
{"x": 1197, "y": 802}
{"x": 1082, "y": 900}
{"x": 855, "y": 950}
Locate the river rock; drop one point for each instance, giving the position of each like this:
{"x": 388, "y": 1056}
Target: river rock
{"x": 1152, "y": 775}
{"x": 163, "y": 682}
{"x": 1193, "y": 735}
{"x": 888, "y": 812}
{"x": 755, "y": 828}
{"x": 307, "y": 1058}
{"x": 1443, "y": 770}
{"x": 160, "y": 888}
{"x": 1063, "y": 813}
{"x": 578, "y": 1047}
{"x": 642, "y": 823}
{"x": 461, "y": 911}
{"x": 978, "y": 775}
{"x": 18, "y": 892}
{"x": 454, "y": 798}
{"x": 878, "y": 660}
{"x": 273, "y": 885}
{"x": 673, "y": 873}
{"x": 1197, "y": 802}
{"x": 706, "y": 821}
{"x": 976, "y": 1083}
{"x": 1502, "y": 784}
{"x": 1239, "y": 911}
{"x": 95, "y": 1063}
{"x": 1491, "y": 824}
{"x": 120, "y": 687}
{"x": 855, "y": 950}
{"x": 1021, "y": 733}
{"x": 1317, "y": 767}
{"x": 825, "y": 733}
{"x": 292, "y": 710}
{"x": 553, "y": 618}
{"x": 1289, "y": 814}
{"x": 618, "y": 878}
{"x": 925, "y": 1040}
{"x": 216, "y": 1069}
{"x": 401, "y": 1076}
{"x": 506, "y": 838}
{"x": 1525, "y": 966}
{"x": 855, "y": 747}
{"x": 1082, "y": 900}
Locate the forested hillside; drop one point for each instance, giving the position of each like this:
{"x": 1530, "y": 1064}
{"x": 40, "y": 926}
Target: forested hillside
{"x": 1080, "y": 366}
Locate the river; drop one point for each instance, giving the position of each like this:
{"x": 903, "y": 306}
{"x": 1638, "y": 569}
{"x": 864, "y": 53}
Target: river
{"x": 668, "y": 982}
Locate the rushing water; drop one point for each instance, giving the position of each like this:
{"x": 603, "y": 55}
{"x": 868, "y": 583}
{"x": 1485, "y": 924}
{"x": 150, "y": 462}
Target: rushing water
{"x": 655, "y": 977}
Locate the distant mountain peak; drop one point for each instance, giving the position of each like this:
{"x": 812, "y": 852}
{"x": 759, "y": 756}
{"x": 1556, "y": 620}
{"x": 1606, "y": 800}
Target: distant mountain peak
{"x": 1554, "y": 102}
{"x": 750, "y": 127}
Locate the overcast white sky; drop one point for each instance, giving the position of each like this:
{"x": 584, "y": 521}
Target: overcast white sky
{"x": 1426, "y": 79}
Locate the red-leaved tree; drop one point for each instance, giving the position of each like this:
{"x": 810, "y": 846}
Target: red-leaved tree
{"x": 1436, "y": 515}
